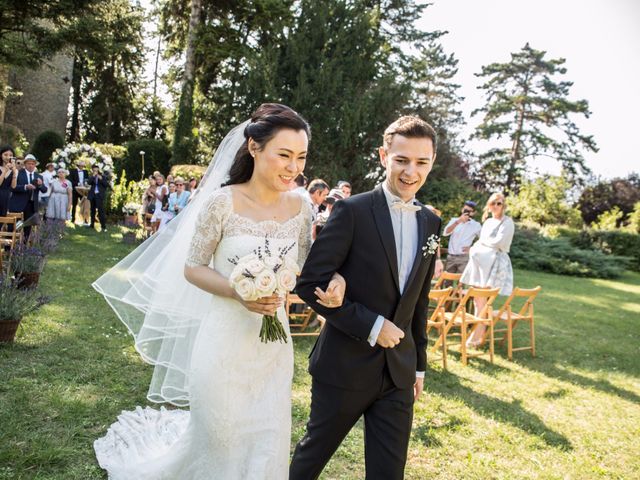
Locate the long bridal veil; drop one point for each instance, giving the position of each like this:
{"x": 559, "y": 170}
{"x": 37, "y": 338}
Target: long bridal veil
{"x": 150, "y": 295}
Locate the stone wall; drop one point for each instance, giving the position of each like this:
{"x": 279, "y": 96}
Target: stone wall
{"x": 44, "y": 102}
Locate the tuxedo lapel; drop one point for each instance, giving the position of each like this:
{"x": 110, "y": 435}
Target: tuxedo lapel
{"x": 382, "y": 218}
{"x": 422, "y": 231}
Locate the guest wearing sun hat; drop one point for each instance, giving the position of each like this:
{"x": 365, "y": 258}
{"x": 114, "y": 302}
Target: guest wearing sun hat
{"x": 60, "y": 204}
{"x": 24, "y": 197}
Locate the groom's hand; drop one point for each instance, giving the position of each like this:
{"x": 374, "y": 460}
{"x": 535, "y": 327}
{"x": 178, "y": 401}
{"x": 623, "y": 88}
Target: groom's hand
{"x": 417, "y": 388}
{"x": 389, "y": 335}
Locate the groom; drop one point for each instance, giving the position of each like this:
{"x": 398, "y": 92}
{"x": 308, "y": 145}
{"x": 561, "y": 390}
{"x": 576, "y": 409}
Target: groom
{"x": 370, "y": 357}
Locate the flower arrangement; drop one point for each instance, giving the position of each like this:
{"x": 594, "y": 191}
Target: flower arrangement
{"x": 72, "y": 152}
{"x": 131, "y": 208}
{"x": 261, "y": 274}
{"x": 431, "y": 245}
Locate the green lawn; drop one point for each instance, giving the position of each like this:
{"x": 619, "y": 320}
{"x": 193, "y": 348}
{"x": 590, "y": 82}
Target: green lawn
{"x": 571, "y": 413}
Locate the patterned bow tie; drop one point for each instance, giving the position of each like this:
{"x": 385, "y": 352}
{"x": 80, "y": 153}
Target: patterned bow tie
{"x": 407, "y": 207}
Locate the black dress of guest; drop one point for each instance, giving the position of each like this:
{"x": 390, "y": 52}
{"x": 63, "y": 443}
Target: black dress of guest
{"x": 5, "y": 194}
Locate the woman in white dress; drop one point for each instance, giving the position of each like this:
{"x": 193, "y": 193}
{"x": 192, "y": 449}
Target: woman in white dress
{"x": 60, "y": 193}
{"x": 489, "y": 263}
{"x": 204, "y": 340}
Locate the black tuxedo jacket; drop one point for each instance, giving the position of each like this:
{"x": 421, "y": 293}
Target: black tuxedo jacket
{"x": 20, "y": 196}
{"x": 358, "y": 242}
{"x": 103, "y": 184}
{"x": 74, "y": 178}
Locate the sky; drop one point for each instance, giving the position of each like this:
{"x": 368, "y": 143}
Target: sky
{"x": 600, "y": 40}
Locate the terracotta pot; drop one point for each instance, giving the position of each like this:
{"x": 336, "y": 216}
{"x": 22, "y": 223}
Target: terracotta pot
{"x": 27, "y": 279}
{"x": 131, "y": 220}
{"x": 8, "y": 329}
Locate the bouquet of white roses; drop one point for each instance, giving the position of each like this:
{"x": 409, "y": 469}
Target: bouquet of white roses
{"x": 261, "y": 274}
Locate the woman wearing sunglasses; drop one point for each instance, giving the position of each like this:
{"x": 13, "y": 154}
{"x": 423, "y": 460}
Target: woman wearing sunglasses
{"x": 489, "y": 263}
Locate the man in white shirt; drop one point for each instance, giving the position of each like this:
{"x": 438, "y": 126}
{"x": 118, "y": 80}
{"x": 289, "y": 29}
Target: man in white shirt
{"x": 463, "y": 231}
{"x": 47, "y": 176}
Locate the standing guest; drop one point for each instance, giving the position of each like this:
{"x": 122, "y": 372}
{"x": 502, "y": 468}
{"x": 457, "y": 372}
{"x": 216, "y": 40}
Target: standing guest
{"x": 463, "y": 231}
{"x": 60, "y": 189}
{"x": 172, "y": 187}
{"x": 149, "y": 198}
{"x": 193, "y": 184}
{"x": 161, "y": 192}
{"x": 170, "y": 179}
{"x": 98, "y": 185}
{"x": 334, "y": 195}
{"x": 345, "y": 187}
{"x": 179, "y": 199}
{"x": 24, "y": 196}
{"x": 78, "y": 176}
{"x": 489, "y": 263}
{"x": 8, "y": 177}
{"x": 47, "y": 176}
{"x": 318, "y": 191}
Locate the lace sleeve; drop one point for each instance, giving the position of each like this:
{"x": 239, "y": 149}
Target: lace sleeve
{"x": 304, "y": 238}
{"x": 208, "y": 229}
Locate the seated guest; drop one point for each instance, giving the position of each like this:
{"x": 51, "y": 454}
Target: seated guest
{"x": 78, "y": 176}
{"x": 8, "y": 177}
{"x": 462, "y": 230}
{"x": 192, "y": 185}
{"x": 179, "y": 199}
{"x": 489, "y": 263}
{"x": 60, "y": 189}
{"x": 24, "y": 197}
{"x": 345, "y": 187}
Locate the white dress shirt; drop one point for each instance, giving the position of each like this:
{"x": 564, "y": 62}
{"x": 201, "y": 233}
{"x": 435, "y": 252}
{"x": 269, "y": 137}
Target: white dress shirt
{"x": 47, "y": 178}
{"x": 405, "y": 234}
{"x": 462, "y": 236}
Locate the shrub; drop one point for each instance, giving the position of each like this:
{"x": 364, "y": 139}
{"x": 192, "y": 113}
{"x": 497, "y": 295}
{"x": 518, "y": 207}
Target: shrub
{"x": 157, "y": 156}
{"x": 616, "y": 242}
{"x": 188, "y": 171}
{"x": 531, "y": 250}
{"x": 12, "y": 135}
{"x": 116, "y": 152}
{"x": 124, "y": 192}
{"x": 45, "y": 144}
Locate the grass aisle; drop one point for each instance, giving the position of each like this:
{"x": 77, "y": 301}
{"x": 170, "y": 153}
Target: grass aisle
{"x": 571, "y": 413}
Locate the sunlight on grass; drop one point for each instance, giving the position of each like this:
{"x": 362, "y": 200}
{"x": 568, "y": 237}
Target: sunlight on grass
{"x": 573, "y": 412}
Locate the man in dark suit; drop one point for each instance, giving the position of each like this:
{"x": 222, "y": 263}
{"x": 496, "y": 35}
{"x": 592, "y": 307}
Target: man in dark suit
{"x": 98, "y": 185}
{"x": 77, "y": 176}
{"x": 24, "y": 198}
{"x": 370, "y": 357}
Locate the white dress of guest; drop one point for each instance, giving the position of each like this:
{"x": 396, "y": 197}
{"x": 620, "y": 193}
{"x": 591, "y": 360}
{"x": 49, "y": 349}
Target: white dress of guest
{"x": 47, "y": 178}
{"x": 159, "y": 214}
{"x": 58, "y": 206}
{"x": 489, "y": 263}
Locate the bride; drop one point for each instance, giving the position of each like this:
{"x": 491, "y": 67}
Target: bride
{"x": 204, "y": 341}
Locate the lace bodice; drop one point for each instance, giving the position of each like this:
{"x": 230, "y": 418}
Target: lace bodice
{"x": 217, "y": 222}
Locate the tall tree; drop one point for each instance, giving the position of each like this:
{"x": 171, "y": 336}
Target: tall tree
{"x": 108, "y": 64}
{"x": 527, "y": 105}
{"x": 183, "y": 133}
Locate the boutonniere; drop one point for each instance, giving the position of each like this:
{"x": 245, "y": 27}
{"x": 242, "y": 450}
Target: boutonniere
{"x": 431, "y": 245}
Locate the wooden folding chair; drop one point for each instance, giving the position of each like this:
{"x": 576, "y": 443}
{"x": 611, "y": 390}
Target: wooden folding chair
{"x": 9, "y": 238}
{"x": 525, "y": 314}
{"x": 437, "y": 319}
{"x": 19, "y": 216}
{"x": 457, "y": 293}
{"x": 299, "y": 321}
{"x": 464, "y": 320}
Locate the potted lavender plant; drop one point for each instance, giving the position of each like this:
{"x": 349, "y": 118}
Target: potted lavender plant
{"x": 15, "y": 303}
{"x": 27, "y": 264}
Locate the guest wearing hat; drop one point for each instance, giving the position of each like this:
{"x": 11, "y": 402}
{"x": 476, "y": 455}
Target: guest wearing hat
{"x": 463, "y": 230}
{"x": 24, "y": 196}
{"x": 60, "y": 203}
{"x": 48, "y": 175}
{"x": 334, "y": 195}
{"x": 78, "y": 175}
{"x": 98, "y": 185}
{"x": 8, "y": 177}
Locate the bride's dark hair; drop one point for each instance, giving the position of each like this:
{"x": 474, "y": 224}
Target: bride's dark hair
{"x": 266, "y": 122}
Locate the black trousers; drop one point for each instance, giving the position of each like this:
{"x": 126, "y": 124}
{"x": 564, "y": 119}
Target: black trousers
{"x": 75, "y": 197}
{"x": 97, "y": 203}
{"x": 29, "y": 211}
{"x": 388, "y": 413}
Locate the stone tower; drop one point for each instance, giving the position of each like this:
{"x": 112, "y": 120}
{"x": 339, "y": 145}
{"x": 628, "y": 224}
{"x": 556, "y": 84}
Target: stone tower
{"x": 44, "y": 102}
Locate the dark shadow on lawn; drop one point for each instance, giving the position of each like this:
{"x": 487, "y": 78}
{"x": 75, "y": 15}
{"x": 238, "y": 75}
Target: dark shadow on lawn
{"x": 447, "y": 384}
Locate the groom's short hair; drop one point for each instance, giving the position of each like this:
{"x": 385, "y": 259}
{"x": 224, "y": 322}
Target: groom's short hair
{"x": 409, "y": 126}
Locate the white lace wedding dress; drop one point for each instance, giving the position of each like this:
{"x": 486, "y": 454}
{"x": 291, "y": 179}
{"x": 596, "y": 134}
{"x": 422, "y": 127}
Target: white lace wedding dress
{"x": 239, "y": 422}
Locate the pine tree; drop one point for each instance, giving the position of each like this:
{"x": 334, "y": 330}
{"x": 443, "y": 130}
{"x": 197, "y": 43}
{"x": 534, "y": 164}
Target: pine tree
{"x": 530, "y": 108}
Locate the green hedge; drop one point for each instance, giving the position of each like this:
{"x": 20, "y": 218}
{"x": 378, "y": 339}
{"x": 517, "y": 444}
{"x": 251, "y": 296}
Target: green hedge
{"x": 45, "y": 144}
{"x": 157, "y": 156}
{"x": 532, "y": 251}
{"x": 615, "y": 242}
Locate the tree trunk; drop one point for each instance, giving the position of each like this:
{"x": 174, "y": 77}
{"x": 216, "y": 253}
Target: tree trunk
{"x": 183, "y": 136}
{"x": 516, "y": 147}
{"x": 76, "y": 84}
